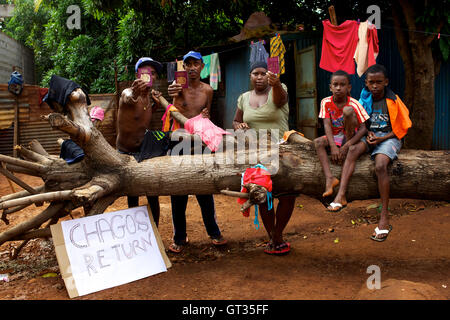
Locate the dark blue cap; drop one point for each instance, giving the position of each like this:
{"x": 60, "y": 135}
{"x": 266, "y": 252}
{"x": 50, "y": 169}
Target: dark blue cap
{"x": 193, "y": 54}
{"x": 157, "y": 65}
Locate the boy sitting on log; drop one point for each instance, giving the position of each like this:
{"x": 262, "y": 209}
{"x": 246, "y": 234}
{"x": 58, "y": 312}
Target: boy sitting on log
{"x": 388, "y": 124}
{"x": 343, "y": 119}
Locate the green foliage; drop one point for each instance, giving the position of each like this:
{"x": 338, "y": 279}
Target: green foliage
{"x": 434, "y": 17}
{"x": 83, "y": 55}
{"x": 82, "y": 59}
{"x": 28, "y": 27}
{"x": 123, "y": 31}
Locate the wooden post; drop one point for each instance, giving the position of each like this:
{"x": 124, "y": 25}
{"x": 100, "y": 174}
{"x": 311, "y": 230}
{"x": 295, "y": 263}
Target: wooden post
{"x": 16, "y": 126}
{"x": 333, "y": 18}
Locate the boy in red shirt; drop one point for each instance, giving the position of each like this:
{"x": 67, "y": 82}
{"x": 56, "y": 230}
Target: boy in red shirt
{"x": 343, "y": 119}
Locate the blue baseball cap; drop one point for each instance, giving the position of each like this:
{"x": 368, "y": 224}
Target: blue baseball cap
{"x": 157, "y": 65}
{"x": 193, "y": 54}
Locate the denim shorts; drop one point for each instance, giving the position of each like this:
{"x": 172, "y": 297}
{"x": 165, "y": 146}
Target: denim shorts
{"x": 390, "y": 147}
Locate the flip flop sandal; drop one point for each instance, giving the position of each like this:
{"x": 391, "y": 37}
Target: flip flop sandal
{"x": 177, "y": 248}
{"x": 270, "y": 249}
{"x": 378, "y": 232}
{"x": 219, "y": 241}
{"x": 335, "y": 207}
{"x": 283, "y": 248}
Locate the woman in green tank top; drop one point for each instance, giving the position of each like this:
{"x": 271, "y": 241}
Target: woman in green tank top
{"x": 266, "y": 107}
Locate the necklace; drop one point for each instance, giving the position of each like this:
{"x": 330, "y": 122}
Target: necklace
{"x": 147, "y": 104}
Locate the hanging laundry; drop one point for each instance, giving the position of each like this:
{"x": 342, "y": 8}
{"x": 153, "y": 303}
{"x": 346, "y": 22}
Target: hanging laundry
{"x": 206, "y": 69}
{"x": 258, "y": 52}
{"x": 277, "y": 49}
{"x": 338, "y": 46}
{"x": 214, "y": 74}
{"x": 180, "y": 65}
{"x": 171, "y": 68}
{"x": 367, "y": 48}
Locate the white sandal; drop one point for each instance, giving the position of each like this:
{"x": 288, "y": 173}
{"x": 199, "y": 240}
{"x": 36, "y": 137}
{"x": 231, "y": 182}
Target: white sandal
{"x": 378, "y": 232}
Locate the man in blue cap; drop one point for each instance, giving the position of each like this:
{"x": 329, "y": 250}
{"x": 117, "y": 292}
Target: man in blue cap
{"x": 136, "y": 107}
{"x": 192, "y": 101}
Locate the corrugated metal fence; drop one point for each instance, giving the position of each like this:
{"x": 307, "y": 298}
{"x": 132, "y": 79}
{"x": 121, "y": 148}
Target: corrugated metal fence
{"x": 441, "y": 134}
{"x": 31, "y": 126}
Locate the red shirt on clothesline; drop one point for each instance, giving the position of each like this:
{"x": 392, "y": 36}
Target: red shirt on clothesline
{"x": 338, "y": 46}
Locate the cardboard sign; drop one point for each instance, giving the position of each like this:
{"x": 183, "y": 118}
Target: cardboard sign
{"x": 103, "y": 251}
{"x": 181, "y": 77}
{"x": 145, "y": 74}
{"x": 273, "y": 65}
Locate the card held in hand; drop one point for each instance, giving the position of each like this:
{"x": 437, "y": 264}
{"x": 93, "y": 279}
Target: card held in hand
{"x": 145, "y": 74}
{"x": 181, "y": 77}
{"x": 273, "y": 65}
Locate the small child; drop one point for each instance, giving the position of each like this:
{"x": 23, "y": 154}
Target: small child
{"x": 389, "y": 122}
{"x": 343, "y": 119}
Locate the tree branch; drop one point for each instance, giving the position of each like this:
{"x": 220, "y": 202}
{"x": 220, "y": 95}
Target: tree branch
{"x": 33, "y": 234}
{"x": 20, "y": 194}
{"x": 15, "y": 179}
{"x": 49, "y": 196}
{"x": 22, "y": 163}
{"x": 38, "y": 148}
{"x": 236, "y": 194}
{"x": 33, "y": 156}
{"x": 100, "y": 205}
{"x": 76, "y": 132}
{"x": 36, "y": 221}
{"x": 430, "y": 38}
{"x": 408, "y": 11}
{"x": 14, "y": 168}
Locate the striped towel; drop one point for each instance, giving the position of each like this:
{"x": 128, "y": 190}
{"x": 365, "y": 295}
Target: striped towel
{"x": 215, "y": 73}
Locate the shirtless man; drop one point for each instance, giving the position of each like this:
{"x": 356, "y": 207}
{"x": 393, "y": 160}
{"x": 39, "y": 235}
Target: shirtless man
{"x": 135, "y": 113}
{"x": 192, "y": 101}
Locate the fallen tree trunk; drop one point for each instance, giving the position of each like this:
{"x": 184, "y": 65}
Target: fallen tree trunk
{"x": 104, "y": 174}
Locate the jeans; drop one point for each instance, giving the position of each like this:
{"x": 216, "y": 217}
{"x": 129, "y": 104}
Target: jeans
{"x": 207, "y": 207}
{"x": 153, "y": 202}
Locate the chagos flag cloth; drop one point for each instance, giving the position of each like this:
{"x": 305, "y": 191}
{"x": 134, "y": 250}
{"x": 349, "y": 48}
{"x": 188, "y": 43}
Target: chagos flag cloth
{"x": 338, "y": 46}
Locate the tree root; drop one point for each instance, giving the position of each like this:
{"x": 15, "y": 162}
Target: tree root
{"x": 33, "y": 223}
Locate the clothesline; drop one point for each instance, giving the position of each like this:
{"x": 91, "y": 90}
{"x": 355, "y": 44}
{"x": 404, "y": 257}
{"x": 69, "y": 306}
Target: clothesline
{"x": 219, "y": 52}
{"x": 383, "y": 26}
{"x": 419, "y": 31}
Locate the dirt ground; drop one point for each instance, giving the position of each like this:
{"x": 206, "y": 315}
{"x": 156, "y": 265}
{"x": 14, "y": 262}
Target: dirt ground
{"x": 329, "y": 258}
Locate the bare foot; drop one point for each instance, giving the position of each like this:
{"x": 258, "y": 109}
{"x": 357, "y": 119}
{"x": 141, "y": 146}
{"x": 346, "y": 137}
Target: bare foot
{"x": 330, "y": 184}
